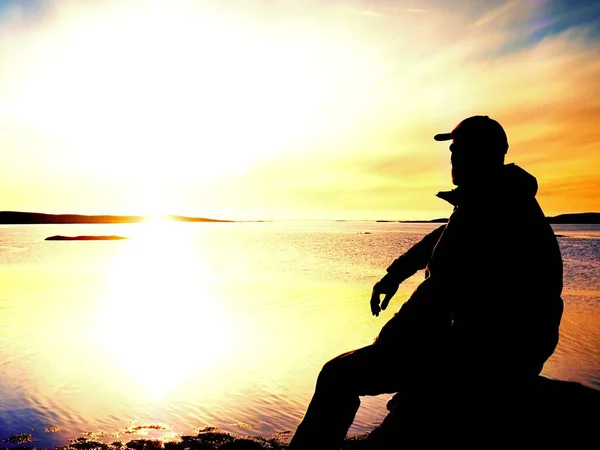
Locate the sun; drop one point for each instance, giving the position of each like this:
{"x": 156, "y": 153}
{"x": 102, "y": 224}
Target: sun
{"x": 179, "y": 106}
{"x": 191, "y": 94}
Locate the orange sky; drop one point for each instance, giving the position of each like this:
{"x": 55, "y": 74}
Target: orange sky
{"x": 288, "y": 110}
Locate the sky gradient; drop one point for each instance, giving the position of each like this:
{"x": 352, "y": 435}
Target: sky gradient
{"x": 289, "y": 109}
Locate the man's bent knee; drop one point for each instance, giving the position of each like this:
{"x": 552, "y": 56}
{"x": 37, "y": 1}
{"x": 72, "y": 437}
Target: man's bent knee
{"x": 332, "y": 372}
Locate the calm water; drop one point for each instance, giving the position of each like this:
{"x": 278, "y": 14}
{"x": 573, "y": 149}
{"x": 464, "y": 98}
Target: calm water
{"x": 226, "y": 324}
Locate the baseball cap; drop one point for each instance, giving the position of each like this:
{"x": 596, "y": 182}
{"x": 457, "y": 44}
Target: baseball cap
{"x": 477, "y": 131}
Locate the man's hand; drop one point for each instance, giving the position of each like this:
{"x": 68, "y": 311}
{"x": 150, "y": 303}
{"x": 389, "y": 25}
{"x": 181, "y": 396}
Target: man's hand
{"x": 386, "y": 286}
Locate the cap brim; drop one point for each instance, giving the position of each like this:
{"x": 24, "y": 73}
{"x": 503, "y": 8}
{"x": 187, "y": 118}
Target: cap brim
{"x": 443, "y": 137}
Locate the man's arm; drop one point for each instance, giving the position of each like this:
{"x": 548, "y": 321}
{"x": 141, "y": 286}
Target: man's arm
{"x": 415, "y": 258}
{"x": 405, "y": 266}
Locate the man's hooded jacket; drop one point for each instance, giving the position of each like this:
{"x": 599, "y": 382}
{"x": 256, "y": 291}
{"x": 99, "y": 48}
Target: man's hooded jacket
{"x": 493, "y": 276}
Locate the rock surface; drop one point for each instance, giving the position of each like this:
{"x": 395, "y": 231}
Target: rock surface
{"x": 545, "y": 413}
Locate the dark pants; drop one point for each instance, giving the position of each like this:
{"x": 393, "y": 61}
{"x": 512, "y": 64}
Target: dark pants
{"x": 394, "y": 362}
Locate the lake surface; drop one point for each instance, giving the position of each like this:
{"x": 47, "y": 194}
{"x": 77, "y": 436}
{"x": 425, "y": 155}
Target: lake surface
{"x": 189, "y": 325}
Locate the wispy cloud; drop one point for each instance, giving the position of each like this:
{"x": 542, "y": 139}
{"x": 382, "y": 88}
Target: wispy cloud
{"x": 496, "y": 13}
{"x": 545, "y": 94}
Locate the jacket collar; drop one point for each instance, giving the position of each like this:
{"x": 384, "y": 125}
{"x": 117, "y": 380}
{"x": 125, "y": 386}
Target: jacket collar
{"x": 453, "y": 197}
{"x": 464, "y": 194}
{"x": 511, "y": 182}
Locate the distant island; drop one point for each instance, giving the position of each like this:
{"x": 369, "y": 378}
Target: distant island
{"x": 575, "y": 218}
{"x": 85, "y": 238}
{"x": 27, "y": 218}
{"x": 582, "y": 218}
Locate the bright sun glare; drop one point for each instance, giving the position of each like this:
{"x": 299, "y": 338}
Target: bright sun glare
{"x": 191, "y": 95}
{"x": 159, "y": 319}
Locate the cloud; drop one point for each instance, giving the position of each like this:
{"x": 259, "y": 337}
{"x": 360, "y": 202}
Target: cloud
{"x": 545, "y": 94}
{"x": 496, "y": 13}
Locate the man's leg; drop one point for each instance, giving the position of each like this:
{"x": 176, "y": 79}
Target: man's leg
{"x": 366, "y": 371}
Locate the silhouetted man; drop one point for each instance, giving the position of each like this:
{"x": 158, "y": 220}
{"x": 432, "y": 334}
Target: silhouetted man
{"x": 489, "y": 307}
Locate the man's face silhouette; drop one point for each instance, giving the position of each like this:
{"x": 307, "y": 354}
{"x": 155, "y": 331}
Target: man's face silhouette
{"x": 472, "y": 163}
{"x": 462, "y": 162}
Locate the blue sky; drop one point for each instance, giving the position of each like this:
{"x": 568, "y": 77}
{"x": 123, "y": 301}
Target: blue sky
{"x": 29, "y": 6}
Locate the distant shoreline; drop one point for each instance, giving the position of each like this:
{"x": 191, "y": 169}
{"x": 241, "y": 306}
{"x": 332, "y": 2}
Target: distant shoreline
{"x": 33, "y": 218}
{"x": 574, "y": 218}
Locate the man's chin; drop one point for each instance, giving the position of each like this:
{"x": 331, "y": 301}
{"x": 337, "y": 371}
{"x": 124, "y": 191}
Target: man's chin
{"x": 455, "y": 179}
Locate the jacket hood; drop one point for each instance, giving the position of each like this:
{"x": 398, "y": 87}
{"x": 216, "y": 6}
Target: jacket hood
{"x": 512, "y": 181}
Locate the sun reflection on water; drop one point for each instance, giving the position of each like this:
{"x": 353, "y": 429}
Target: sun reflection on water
{"x": 159, "y": 319}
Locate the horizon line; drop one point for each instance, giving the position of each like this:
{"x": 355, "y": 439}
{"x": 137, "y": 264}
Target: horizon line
{"x": 133, "y": 218}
